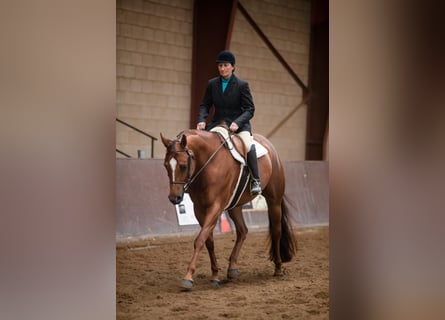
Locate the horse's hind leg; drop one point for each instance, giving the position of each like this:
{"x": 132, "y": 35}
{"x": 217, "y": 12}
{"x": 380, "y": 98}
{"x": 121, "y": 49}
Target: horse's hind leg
{"x": 213, "y": 263}
{"x": 275, "y": 215}
{"x": 241, "y": 232}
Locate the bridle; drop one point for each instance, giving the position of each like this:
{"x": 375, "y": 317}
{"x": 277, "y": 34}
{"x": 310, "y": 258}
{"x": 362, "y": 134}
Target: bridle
{"x": 190, "y": 157}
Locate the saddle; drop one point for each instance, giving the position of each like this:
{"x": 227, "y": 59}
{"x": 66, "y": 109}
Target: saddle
{"x": 236, "y": 146}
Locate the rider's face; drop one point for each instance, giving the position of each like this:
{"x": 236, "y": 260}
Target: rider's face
{"x": 225, "y": 69}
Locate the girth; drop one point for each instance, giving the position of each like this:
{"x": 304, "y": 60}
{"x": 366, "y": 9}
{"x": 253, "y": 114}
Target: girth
{"x": 243, "y": 181}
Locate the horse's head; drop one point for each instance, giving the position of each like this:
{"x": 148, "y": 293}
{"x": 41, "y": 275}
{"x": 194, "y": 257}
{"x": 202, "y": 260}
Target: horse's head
{"x": 178, "y": 162}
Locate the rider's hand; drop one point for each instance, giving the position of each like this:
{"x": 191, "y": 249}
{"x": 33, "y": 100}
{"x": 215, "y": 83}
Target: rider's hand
{"x": 201, "y": 126}
{"x": 233, "y": 127}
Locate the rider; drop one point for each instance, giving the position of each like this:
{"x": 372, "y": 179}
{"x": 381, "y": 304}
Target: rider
{"x": 234, "y": 105}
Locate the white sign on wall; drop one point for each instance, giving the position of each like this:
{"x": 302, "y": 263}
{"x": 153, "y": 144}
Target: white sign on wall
{"x": 185, "y": 213}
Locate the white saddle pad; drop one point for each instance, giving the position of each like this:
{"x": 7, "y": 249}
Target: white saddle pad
{"x": 260, "y": 149}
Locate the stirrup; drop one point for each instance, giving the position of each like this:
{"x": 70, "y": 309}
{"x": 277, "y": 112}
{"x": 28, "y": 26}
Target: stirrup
{"x": 255, "y": 187}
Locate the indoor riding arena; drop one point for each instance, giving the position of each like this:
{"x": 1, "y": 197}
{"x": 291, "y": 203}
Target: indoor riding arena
{"x": 165, "y": 55}
{"x": 153, "y": 251}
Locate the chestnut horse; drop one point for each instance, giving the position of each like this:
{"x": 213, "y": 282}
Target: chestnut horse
{"x": 199, "y": 162}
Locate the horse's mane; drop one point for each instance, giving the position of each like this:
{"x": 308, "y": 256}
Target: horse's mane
{"x": 193, "y": 132}
{"x": 188, "y": 132}
{"x": 207, "y": 136}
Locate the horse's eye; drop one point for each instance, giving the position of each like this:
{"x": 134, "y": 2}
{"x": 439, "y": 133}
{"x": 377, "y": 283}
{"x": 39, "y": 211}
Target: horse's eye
{"x": 183, "y": 167}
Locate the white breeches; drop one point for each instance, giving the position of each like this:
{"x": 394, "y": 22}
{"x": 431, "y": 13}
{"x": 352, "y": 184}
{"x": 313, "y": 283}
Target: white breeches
{"x": 247, "y": 139}
{"x": 245, "y": 136}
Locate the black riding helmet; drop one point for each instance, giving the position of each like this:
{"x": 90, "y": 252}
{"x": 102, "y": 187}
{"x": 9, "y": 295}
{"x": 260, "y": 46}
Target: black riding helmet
{"x": 226, "y": 56}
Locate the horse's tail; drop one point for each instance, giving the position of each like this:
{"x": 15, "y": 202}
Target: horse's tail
{"x": 288, "y": 242}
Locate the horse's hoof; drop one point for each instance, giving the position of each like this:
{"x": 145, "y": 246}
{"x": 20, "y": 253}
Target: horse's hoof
{"x": 278, "y": 274}
{"x": 186, "y": 284}
{"x": 215, "y": 283}
{"x": 233, "y": 273}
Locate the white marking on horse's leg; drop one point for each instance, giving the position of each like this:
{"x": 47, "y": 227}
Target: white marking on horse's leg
{"x": 173, "y": 163}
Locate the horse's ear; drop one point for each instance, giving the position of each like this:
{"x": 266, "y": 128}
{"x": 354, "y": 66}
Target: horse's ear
{"x": 165, "y": 141}
{"x": 183, "y": 140}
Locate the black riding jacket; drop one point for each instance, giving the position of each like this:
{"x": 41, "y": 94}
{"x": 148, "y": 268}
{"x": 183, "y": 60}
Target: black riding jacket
{"x": 235, "y": 104}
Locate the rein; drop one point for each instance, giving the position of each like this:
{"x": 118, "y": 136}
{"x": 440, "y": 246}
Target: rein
{"x": 190, "y": 181}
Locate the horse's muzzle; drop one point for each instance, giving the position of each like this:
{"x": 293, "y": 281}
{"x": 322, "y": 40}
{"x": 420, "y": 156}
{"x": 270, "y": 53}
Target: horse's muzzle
{"x": 175, "y": 199}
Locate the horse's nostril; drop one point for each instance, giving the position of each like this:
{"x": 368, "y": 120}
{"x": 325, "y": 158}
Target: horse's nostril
{"x": 175, "y": 199}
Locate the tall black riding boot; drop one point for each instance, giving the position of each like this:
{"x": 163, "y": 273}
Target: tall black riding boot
{"x": 252, "y": 163}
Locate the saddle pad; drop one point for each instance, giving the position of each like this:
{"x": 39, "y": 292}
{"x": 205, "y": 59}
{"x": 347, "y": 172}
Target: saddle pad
{"x": 260, "y": 149}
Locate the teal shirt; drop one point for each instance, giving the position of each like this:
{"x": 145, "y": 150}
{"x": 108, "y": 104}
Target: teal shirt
{"x": 225, "y": 82}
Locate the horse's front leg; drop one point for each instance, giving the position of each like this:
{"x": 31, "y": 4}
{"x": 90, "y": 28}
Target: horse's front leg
{"x": 213, "y": 262}
{"x": 207, "y": 219}
{"x": 241, "y": 232}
